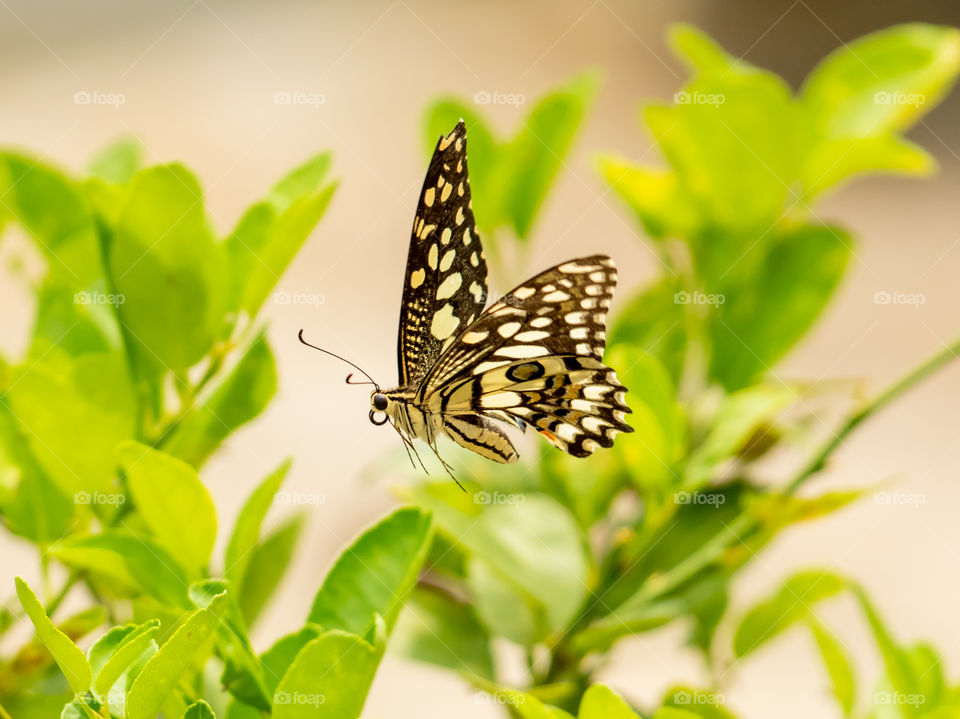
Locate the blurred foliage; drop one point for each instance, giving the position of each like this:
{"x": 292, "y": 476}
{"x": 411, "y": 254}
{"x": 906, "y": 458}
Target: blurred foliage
{"x": 566, "y": 557}
{"x": 145, "y": 355}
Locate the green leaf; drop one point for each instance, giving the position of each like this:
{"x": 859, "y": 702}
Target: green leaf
{"x": 119, "y": 161}
{"x": 246, "y": 530}
{"x": 838, "y": 665}
{"x": 242, "y": 673}
{"x": 897, "y": 664}
{"x": 173, "y": 502}
{"x": 503, "y": 607}
{"x": 54, "y": 211}
{"x": 267, "y": 565}
{"x": 170, "y": 272}
{"x": 700, "y": 52}
{"x": 510, "y": 179}
{"x": 73, "y": 411}
{"x": 600, "y": 702}
{"x": 340, "y": 690}
{"x": 441, "y": 630}
{"x": 536, "y": 547}
{"x": 791, "y": 603}
{"x": 884, "y": 81}
{"x": 68, "y": 656}
{"x": 762, "y": 318}
{"x": 162, "y": 671}
{"x": 278, "y": 658}
{"x": 272, "y": 231}
{"x": 199, "y": 710}
{"x": 32, "y": 505}
{"x": 734, "y": 424}
{"x": 129, "y": 646}
{"x": 375, "y": 574}
{"x": 129, "y": 563}
{"x": 237, "y": 398}
{"x": 537, "y": 152}
{"x": 653, "y": 321}
{"x": 686, "y": 701}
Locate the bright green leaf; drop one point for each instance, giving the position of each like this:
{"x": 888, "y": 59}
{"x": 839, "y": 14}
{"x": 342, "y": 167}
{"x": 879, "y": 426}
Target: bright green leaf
{"x": 119, "y": 161}
{"x": 838, "y": 665}
{"x": 375, "y": 574}
{"x": 237, "y": 398}
{"x": 69, "y": 657}
{"x": 162, "y": 671}
{"x": 600, "y": 702}
{"x": 173, "y": 502}
{"x": 138, "y": 641}
{"x": 267, "y": 565}
{"x": 791, "y": 603}
{"x": 199, "y": 710}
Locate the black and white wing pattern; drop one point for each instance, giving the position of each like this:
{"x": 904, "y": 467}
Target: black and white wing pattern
{"x": 445, "y": 285}
{"x": 535, "y": 357}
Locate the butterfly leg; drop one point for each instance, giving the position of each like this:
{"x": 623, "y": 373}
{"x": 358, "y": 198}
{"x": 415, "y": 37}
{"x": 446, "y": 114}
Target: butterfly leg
{"x": 446, "y": 466}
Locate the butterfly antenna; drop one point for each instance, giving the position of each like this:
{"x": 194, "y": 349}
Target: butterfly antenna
{"x": 342, "y": 359}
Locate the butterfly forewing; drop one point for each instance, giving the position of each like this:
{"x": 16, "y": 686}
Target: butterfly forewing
{"x": 445, "y": 284}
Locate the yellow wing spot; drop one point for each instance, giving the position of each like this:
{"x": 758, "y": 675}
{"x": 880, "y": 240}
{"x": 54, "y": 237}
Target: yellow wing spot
{"x": 445, "y": 193}
{"x": 477, "y": 291}
{"x": 508, "y": 329}
{"x": 425, "y": 231}
{"x": 532, "y": 336}
{"x": 444, "y": 322}
{"x": 416, "y": 278}
{"x": 598, "y": 276}
{"x": 467, "y": 239}
{"x": 433, "y": 256}
{"x": 523, "y": 351}
{"x": 459, "y": 167}
{"x": 498, "y": 400}
{"x": 449, "y": 286}
{"x": 447, "y": 261}
{"x": 522, "y": 293}
{"x": 575, "y": 318}
{"x": 459, "y": 215}
{"x": 471, "y": 338}
{"x": 474, "y": 260}
{"x": 446, "y": 235}
{"x": 540, "y": 322}
{"x": 428, "y": 197}
{"x": 460, "y": 190}
{"x": 558, "y": 296}
{"x": 579, "y": 333}
{"x": 440, "y": 182}
{"x": 445, "y": 142}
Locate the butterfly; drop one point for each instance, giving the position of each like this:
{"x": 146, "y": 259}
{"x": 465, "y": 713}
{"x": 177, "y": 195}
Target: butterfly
{"x": 533, "y": 358}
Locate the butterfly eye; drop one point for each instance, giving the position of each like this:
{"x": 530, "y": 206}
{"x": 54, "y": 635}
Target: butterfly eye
{"x": 380, "y": 402}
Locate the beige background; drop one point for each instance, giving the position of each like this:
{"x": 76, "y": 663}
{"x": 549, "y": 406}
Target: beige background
{"x": 199, "y": 79}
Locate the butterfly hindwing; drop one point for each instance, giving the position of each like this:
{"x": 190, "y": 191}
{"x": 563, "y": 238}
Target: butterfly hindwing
{"x": 534, "y": 356}
{"x": 445, "y": 284}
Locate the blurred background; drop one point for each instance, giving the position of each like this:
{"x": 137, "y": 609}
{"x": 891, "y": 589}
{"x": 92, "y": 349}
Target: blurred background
{"x": 198, "y": 80}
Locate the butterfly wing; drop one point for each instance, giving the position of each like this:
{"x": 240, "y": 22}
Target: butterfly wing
{"x": 534, "y": 357}
{"x": 445, "y": 284}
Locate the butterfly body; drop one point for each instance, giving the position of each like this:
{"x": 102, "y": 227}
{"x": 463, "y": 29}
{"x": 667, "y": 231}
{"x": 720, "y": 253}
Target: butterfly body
{"x": 533, "y": 358}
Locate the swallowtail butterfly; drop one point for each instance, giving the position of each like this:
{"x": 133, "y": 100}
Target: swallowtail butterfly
{"x": 531, "y": 358}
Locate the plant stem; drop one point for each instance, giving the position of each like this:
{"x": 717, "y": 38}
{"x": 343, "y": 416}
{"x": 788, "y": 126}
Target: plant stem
{"x": 948, "y": 353}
